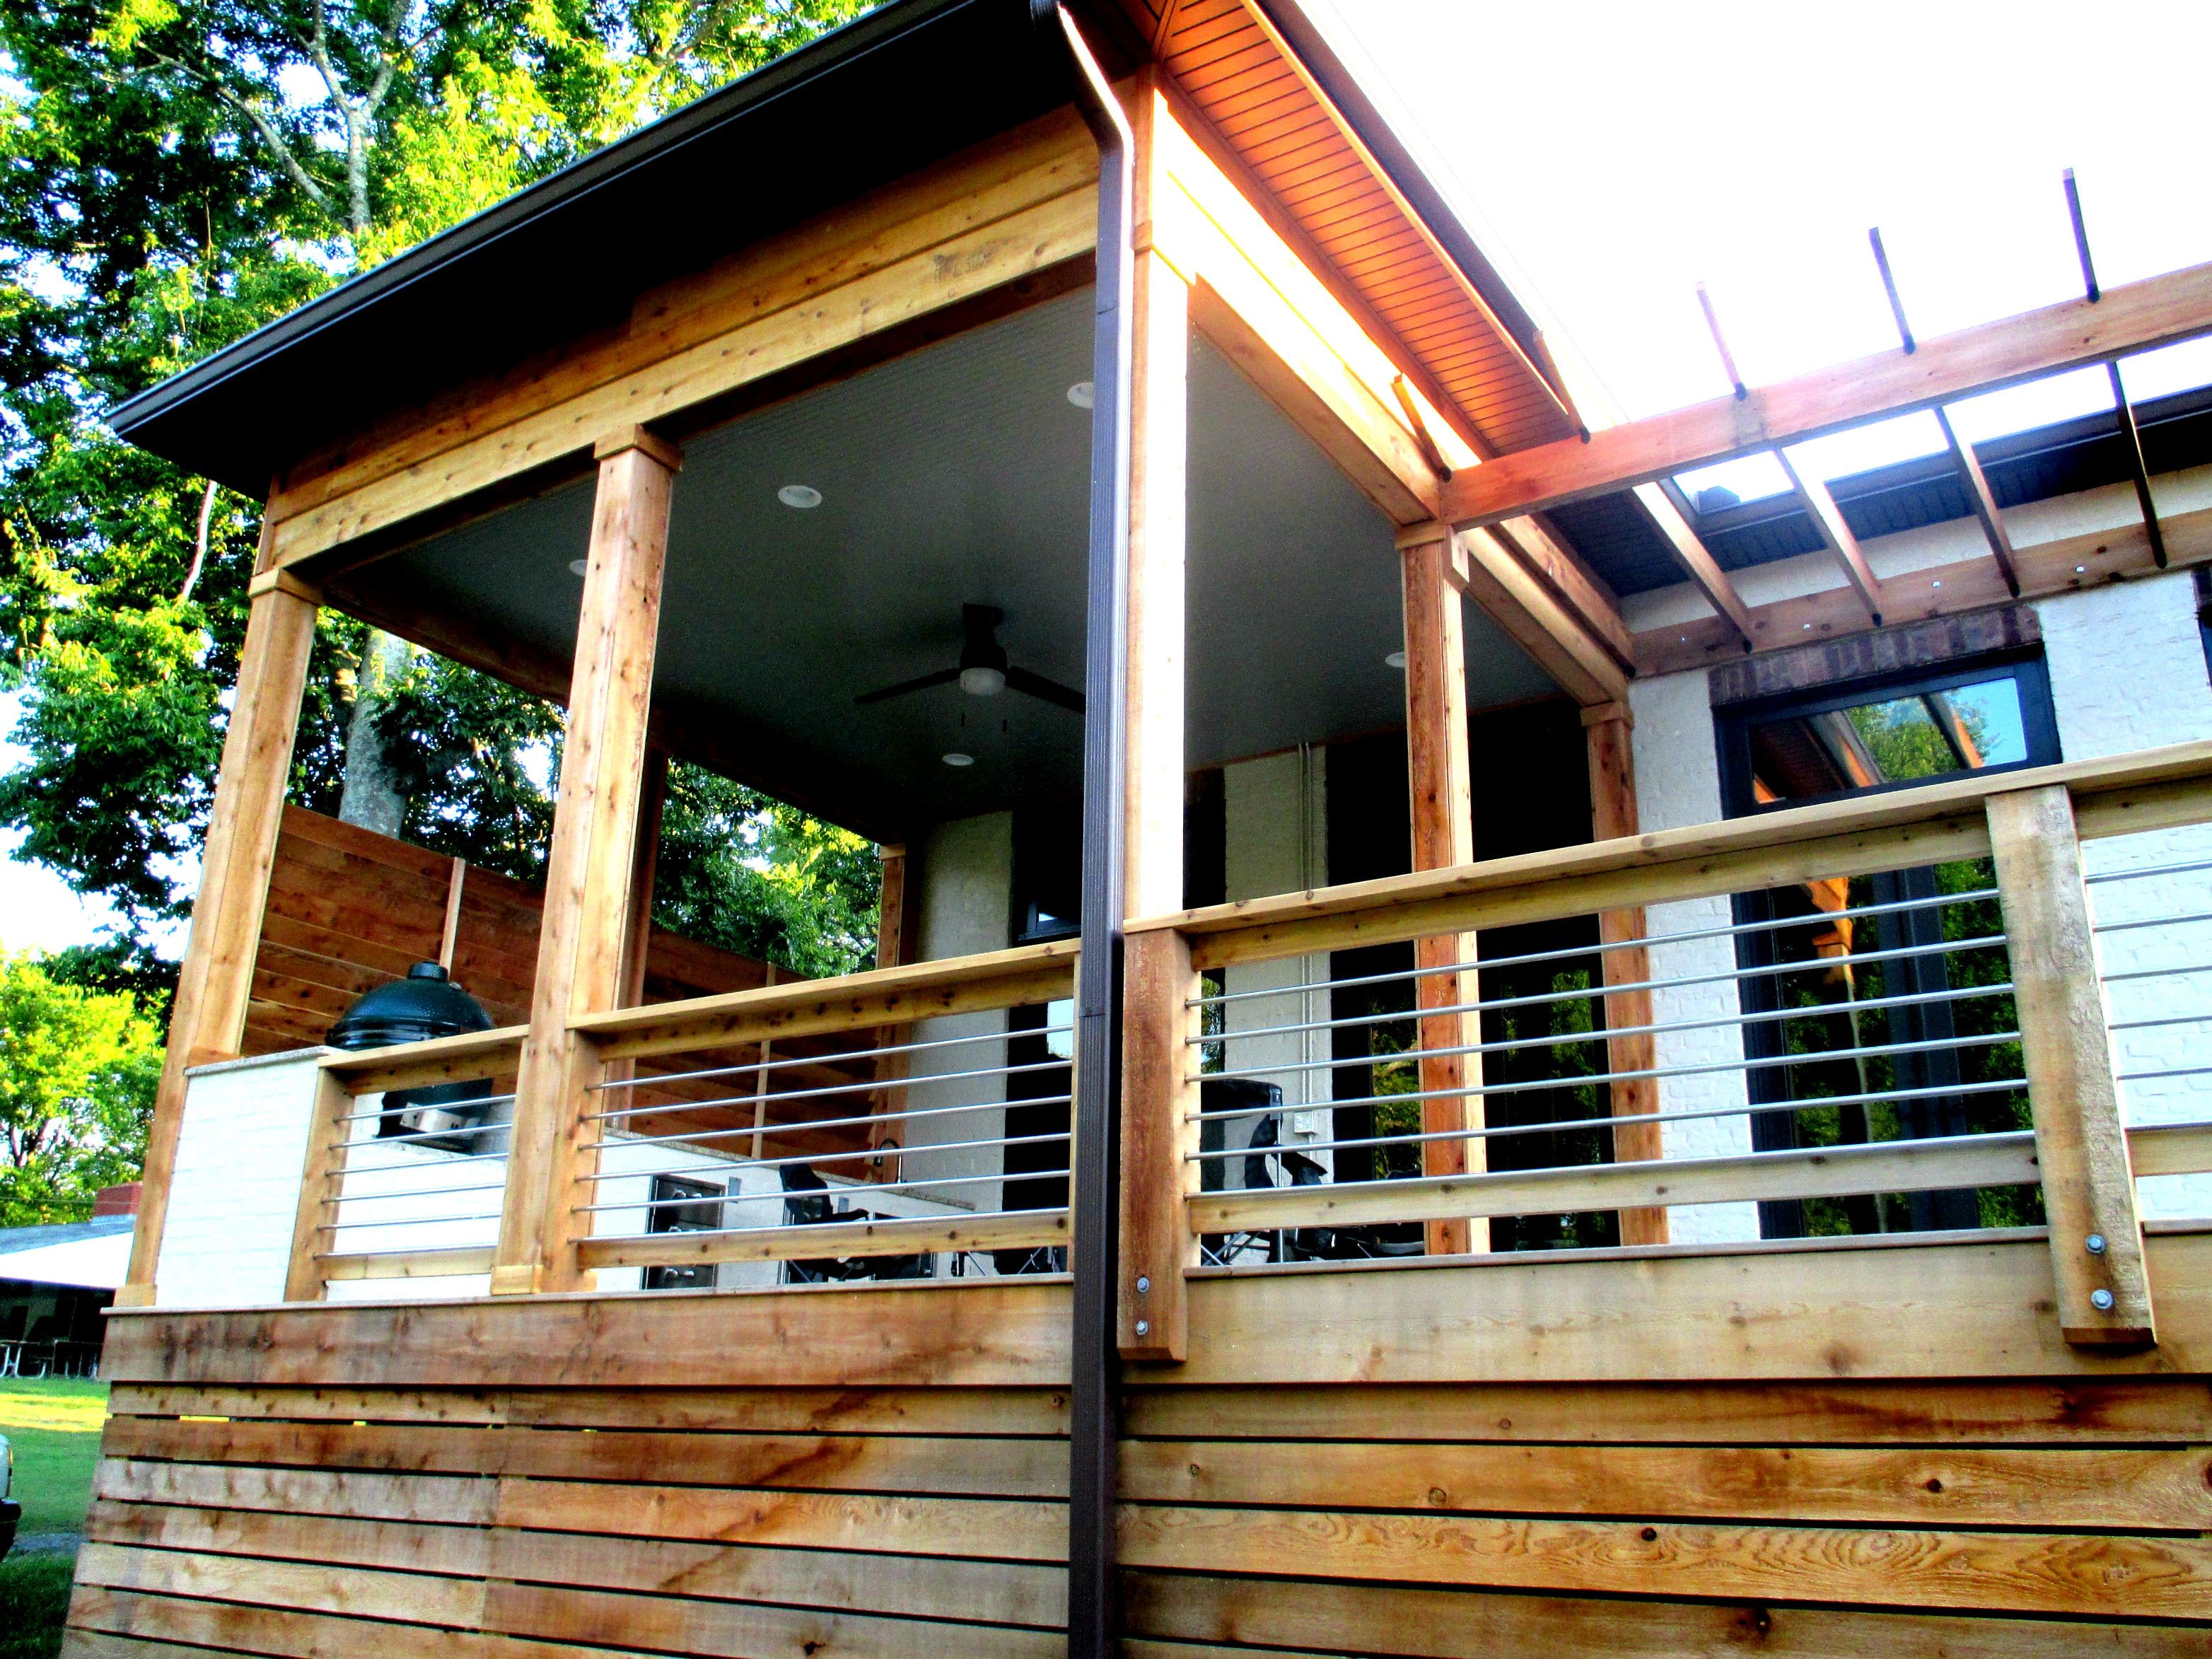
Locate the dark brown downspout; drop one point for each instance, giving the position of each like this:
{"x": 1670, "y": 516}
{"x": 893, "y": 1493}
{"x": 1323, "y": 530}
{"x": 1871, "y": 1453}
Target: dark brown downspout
{"x": 1095, "y": 1382}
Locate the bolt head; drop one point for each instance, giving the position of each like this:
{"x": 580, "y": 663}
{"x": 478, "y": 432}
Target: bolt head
{"x": 2094, "y": 1244}
{"x": 1145, "y": 1326}
{"x": 2100, "y": 1300}
{"x": 1144, "y": 1285}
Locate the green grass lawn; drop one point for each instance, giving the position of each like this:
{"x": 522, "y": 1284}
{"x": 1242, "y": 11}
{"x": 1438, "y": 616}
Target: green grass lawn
{"x": 54, "y": 1423}
{"x": 34, "y": 1593}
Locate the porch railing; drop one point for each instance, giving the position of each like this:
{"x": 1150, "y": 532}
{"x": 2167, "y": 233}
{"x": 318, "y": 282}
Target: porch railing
{"x": 1917, "y": 1012}
{"x": 864, "y": 1126}
{"x": 1880, "y": 1015}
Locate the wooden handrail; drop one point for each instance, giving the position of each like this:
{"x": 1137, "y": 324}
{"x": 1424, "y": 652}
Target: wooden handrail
{"x": 463, "y": 1058}
{"x": 2155, "y": 789}
{"x": 882, "y": 996}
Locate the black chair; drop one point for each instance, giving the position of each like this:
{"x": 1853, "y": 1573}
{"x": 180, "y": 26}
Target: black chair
{"x": 806, "y": 1203}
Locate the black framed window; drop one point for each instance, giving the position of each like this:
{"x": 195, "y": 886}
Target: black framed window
{"x": 1799, "y": 948}
{"x": 1891, "y": 733}
{"x": 702, "y": 1216}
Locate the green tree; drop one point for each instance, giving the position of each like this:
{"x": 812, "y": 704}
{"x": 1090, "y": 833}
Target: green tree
{"x": 173, "y": 174}
{"x": 77, "y": 1071}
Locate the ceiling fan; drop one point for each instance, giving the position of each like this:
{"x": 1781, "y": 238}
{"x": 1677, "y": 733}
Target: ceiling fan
{"x": 983, "y": 670}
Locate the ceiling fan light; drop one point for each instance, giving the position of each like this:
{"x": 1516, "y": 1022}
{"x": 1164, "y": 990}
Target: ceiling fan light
{"x": 1083, "y": 394}
{"x": 982, "y": 682}
{"x": 956, "y": 758}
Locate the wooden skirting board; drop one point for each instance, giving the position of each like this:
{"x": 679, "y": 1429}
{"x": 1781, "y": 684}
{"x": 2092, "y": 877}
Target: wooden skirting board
{"x": 555, "y": 1478}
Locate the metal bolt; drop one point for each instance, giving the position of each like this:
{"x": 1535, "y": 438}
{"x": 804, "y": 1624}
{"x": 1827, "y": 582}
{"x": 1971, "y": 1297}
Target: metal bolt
{"x": 2100, "y": 1300}
{"x": 1145, "y": 1283}
{"x": 1145, "y": 1326}
{"x": 2094, "y": 1244}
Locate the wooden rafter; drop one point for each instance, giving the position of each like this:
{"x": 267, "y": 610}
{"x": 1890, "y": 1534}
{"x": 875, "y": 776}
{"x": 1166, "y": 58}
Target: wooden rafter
{"x": 1984, "y": 504}
{"x": 1828, "y": 521}
{"x": 2138, "y": 317}
{"x": 1696, "y": 559}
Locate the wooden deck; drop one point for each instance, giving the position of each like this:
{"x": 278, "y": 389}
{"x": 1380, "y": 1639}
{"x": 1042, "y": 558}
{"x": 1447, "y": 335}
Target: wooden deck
{"x": 1861, "y": 1449}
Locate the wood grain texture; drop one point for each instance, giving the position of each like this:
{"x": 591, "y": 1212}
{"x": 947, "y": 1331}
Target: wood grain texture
{"x": 587, "y": 873}
{"x": 2089, "y": 1189}
{"x": 2132, "y": 317}
{"x": 2100, "y": 1576}
{"x": 976, "y": 1333}
{"x": 1441, "y": 811}
{"x": 1410, "y": 1623}
{"x": 1159, "y": 1096}
{"x": 1608, "y": 739}
{"x": 207, "y": 1020}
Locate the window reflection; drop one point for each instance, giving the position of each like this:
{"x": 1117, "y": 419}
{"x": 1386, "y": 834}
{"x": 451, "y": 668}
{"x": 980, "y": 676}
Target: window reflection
{"x": 1887, "y": 740}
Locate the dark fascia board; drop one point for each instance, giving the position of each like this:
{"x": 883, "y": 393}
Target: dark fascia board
{"x": 1344, "y": 90}
{"x": 905, "y": 85}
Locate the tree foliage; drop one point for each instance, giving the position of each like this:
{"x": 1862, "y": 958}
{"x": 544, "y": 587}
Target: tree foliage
{"x": 77, "y": 1071}
{"x": 173, "y": 174}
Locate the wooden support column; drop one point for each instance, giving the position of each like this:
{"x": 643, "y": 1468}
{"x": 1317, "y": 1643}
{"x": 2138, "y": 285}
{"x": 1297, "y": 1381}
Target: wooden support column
{"x": 1158, "y": 1246}
{"x": 895, "y": 934}
{"x": 2089, "y": 1187}
{"x": 207, "y": 1022}
{"x": 1444, "y": 834}
{"x": 1613, "y": 814}
{"x": 589, "y": 870}
{"x": 645, "y": 862}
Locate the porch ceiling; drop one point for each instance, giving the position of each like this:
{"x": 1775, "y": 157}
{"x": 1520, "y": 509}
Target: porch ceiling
{"x": 957, "y": 475}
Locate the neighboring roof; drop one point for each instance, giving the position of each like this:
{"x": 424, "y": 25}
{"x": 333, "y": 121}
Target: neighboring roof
{"x": 90, "y": 1254}
{"x": 2060, "y": 460}
{"x": 905, "y": 86}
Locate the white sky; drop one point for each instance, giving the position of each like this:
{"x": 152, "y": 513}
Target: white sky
{"x": 1609, "y": 156}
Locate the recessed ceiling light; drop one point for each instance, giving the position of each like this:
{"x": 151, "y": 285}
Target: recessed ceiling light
{"x": 956, "y": 758}
{"x": 578, "y": 567}
{"x": 1939, "y": 581}
{"x": 2080, "y": 569}
{"x": 1083, "y": 394}
{"x": 801, "y": 496}
{"x": 1395, "y": 659}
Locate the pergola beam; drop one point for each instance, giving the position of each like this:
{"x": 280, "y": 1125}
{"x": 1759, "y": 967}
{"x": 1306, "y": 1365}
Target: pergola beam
{"x": 1828, "y": 520}
{"x": 1696, "y": 559}
{"x": 1984, "y": 504}
{"x": 2138, "y": 317}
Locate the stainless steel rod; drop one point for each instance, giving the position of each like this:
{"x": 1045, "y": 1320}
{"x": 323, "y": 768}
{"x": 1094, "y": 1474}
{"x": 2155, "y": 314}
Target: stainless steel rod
{"x": 827, "y": 1059}
{"x": 747, "y": 1131}
{"x": 1600, "y": 948}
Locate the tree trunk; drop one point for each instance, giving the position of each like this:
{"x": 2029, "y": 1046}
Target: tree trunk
{"x": 372, "y": 798}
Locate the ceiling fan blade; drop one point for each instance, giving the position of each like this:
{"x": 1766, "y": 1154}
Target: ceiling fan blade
{"x": 942, "y": 676}
{"x": 1020, "y": 679}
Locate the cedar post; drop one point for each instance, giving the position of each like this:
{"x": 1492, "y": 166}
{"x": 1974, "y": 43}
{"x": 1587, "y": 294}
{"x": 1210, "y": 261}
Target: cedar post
{"x": 207, "y": 1022}
{"x": 591, "y": 866}
{"x": 1437, "y": 765}
{"x": 1613, "y": 814}
{"x": 1157, "y": 1242}
{"x": 2088, "y": 1186}
{"x": 895, "y": 935}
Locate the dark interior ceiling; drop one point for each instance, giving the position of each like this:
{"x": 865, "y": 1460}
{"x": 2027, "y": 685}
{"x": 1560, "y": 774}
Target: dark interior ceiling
{"x": 952, "y": 475}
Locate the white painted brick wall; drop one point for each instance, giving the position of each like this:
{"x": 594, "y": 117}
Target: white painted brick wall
{"x": 2128, "y": 673}
{"x": 1678, "y": 782}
